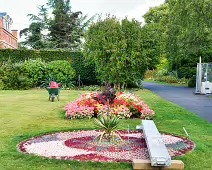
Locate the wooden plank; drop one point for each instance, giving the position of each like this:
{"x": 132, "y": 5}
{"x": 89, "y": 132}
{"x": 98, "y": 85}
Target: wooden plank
{"x": 139, "y": 164}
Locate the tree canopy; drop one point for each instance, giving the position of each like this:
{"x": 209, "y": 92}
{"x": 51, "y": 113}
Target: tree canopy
{"x": 64, "y": 30}
{"x": 181, "y": 32}
{"x": 116, "y": 48}
{"x": 189, "y": 30}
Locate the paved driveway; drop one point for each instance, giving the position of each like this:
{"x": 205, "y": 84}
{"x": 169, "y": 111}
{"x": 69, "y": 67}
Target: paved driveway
{"x": 184, "y": 97}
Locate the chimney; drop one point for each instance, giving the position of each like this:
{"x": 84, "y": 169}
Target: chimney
{"x": 15, "y": 33}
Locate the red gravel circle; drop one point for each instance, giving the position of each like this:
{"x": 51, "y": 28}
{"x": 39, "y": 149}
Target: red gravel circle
{"x": 81, "y": 146}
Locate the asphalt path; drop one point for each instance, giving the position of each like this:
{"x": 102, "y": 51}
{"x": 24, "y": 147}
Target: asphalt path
{"x": 185, "y": 97}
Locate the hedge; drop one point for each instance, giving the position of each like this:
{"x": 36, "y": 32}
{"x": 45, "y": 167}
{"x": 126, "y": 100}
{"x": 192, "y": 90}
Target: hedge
{"x": 46, "y": 55}
{"x": 86, "y": 72}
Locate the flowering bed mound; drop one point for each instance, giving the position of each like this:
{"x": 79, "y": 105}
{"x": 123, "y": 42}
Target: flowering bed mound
{"x": 123, "y": 105}
{"x": 82, "y": 146}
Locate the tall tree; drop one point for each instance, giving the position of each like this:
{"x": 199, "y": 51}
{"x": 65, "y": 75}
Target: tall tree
{"x": 33, "y": 35}
{"x": 154, "y": 32}
{"x": 64, "y": 30}
{"x": 116, "y": 49}
{"x": 189, "y": 31}
{"x": 63, "y": 24}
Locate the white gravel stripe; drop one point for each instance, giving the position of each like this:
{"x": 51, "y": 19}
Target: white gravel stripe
{"x": 54, "y": 148}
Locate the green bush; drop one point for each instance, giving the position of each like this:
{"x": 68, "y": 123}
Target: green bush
{"x": 167, "y": 79}
{"x": 35, "y": 70}
{"x": 91, "y": 88}
{"x": 171, "y": 79}
{"x": 1, "y": 84}
{"x": 86, "y": 72}
{"x": 183, "y": 81}
{"x": 192, "y": 82}
{"x": 62, "y": 72}
{"x": 14, "y": 76}
{"x": 187, "y": 72}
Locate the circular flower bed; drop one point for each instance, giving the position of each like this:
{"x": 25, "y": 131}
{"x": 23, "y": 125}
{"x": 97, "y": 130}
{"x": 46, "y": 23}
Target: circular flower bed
{"x": 82, "y": 146}
{"x": 123, "y": 105}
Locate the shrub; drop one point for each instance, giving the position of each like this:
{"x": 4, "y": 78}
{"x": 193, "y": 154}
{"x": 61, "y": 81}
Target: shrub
{"x": 35, "y": 70}
{"x": 86, "y": 72}
{"x": 192, "y": 82}
{"x": 187, "y": 72}
{"x": 91, "y": 88}
{"x": 171, "y": 79}
{"x": 61, "y": 71}
{"x": 183, "y": 81}
{"x": 1, "y": 85}
{"x": 15, "y": 76}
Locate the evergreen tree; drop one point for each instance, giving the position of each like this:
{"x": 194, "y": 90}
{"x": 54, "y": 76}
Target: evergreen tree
{"x": 64, "y": 30}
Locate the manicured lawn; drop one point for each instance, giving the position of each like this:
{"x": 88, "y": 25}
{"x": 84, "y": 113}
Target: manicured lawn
{"x": 25, "y": 114}
{"x": 170, "y": 84}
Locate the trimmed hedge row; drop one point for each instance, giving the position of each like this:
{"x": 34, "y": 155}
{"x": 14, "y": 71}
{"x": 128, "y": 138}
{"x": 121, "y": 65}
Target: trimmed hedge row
{"x": 46, "y": 55}
{"x": 85, "y": 72}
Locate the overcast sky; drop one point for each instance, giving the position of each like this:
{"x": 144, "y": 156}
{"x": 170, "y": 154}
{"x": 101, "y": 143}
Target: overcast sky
{"x": 18, "y": 9}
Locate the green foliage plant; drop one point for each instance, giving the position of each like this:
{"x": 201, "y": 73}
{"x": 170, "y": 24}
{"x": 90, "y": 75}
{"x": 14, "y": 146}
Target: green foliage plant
{"x": 108, "y": 123}
{"x": 115, "y": 48}
{"x": 55, "y": 26}
{"x": 15, "y": 76}
{"x": 1, "y": 84}
{"x": 192, "y": 82}
{"x": 189, "y": 32}
{"x": 62, "y": 71}
{"x": 86, "y": 72}
{"x": 35, "y": 71}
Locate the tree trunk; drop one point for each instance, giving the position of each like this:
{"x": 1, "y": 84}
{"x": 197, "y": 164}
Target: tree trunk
{"x": 119, "y": 86}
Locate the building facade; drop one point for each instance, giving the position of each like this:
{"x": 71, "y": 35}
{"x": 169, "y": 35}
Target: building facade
{"x": 8, "y": 37}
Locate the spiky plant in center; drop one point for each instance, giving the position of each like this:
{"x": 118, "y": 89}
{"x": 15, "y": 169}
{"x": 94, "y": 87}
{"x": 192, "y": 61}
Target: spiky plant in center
{"x": 107, "y": 122}
{"x": 108, "y": 125}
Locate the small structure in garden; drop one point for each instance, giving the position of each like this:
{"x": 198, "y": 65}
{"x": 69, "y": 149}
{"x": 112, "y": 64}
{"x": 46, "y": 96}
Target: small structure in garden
{"x": 158, "y": 152}
{"x": 204, "y": 78}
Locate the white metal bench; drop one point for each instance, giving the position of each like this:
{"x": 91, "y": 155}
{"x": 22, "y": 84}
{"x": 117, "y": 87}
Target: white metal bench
{"x": 158, "y": 152}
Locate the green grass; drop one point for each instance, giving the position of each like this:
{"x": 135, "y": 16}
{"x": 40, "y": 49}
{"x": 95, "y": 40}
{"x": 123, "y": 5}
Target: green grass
{"x": 170, "y": 84}
{"x": 24, "y": 114}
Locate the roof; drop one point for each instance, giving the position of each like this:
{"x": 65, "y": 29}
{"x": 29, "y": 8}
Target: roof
{"x": 7, "y": 17}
